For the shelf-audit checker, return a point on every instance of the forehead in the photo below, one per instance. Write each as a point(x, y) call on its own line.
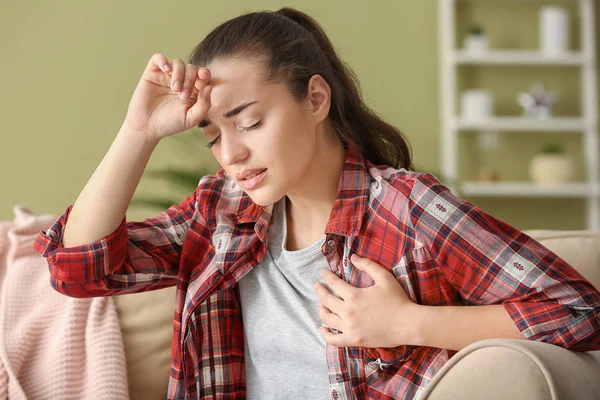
point(233, 81)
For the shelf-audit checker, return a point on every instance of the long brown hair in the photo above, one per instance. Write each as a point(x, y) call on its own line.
point(292, 46)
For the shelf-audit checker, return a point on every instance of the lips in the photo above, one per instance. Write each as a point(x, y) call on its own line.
point(251, 176)
point(253, 180)
point(248, 174)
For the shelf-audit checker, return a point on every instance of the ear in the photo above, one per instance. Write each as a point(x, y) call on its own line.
point(319, 97)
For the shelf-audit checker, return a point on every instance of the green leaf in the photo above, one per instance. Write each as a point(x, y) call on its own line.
point(185, 179)
point(552, 148)
point(476, 30)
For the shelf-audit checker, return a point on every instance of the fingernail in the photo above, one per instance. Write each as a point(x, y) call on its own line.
point(177, 85)
point(354, 257)
point(185, 94)
point(166, 67)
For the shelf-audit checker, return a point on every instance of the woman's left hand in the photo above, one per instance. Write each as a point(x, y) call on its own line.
point(376, 316)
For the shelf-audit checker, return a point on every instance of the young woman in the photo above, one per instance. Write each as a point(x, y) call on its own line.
point(315, 264)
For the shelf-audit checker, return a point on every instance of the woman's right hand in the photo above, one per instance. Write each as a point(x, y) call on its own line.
point(169, 98)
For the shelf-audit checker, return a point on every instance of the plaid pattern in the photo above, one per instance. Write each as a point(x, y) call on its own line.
point(442, 250)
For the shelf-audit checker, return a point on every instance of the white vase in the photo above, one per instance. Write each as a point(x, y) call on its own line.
point(554, 31)
point(551, 169)
point(477, 105)
point(476, 44)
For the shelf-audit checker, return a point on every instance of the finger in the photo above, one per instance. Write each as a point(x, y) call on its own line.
point(330, 319)
point(378, 273)
point(159, 62)
point(203, 79)
point(338, 285)
point(327, 299)
point(331, 338)
point(199, 110)
point(189, 80)
point(178, 74)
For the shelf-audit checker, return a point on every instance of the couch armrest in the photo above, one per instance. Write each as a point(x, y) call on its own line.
point(499, 369)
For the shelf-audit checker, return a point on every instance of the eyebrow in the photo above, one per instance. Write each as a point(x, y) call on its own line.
point(232, 113)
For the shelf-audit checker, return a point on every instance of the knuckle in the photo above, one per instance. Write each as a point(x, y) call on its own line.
point(189, 81)
point(359, 340)
point(352, 297)
point(177, 64)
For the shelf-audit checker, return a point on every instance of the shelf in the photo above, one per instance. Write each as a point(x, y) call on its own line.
point(528, 189)
point(522, 124)
point(456, 60)
point(516, 57)
point(516, 1)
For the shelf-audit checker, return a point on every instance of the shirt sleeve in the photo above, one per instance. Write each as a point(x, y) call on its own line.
point(136, 257)
point(488, 262)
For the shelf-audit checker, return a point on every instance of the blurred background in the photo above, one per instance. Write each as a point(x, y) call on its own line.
point(70, 67)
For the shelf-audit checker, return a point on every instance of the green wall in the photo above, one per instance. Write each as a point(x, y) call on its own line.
point(69, 69)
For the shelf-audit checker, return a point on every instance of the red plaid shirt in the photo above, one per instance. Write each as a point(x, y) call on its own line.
point(441, 249)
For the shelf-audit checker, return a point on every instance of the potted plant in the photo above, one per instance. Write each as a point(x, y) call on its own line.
point(551, 166)
point(182, 180)
point(476, 41)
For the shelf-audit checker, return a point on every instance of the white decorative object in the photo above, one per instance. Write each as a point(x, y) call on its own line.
point(452, 147)
point(554, 31)
point(552, 166)
point(488, 143)
point(537, 103)
point(476, 42)
point(550, 169)
point(477, 105)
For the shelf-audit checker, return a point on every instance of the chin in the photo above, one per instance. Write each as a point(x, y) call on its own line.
point(263, 197)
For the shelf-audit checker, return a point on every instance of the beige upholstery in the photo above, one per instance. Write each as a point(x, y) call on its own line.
point(147, 327)
point(490, 369)
point(499, 369)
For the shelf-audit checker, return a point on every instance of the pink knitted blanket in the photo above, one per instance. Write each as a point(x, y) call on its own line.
point(52, 346)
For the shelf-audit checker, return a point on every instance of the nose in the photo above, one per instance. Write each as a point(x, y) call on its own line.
point(233, 148)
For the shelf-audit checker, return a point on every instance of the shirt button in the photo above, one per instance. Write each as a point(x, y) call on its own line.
point(330, 243)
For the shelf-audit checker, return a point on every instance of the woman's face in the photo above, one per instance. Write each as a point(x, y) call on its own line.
point(274, 133)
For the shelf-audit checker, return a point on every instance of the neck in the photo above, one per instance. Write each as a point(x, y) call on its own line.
point(311, 202)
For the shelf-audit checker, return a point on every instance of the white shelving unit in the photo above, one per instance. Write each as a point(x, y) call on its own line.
point(586, 125)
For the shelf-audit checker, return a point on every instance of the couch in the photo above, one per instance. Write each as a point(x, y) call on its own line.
point(489, 369)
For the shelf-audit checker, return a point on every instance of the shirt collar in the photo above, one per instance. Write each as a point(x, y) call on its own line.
point(348, 209)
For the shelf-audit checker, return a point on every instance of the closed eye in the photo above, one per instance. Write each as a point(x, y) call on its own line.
point(256, 125)
point(211, 144)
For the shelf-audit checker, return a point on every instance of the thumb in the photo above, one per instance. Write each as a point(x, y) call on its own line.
point(357, 261)
point(373, 269)
point(201, 106)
